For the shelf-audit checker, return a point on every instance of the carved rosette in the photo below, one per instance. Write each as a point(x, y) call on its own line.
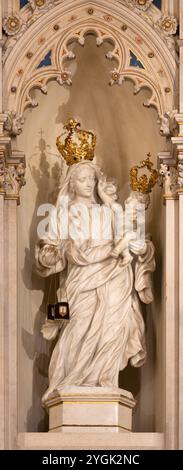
point(116, 78)
point(168, 24)
point(12, 24)
point(65, 78)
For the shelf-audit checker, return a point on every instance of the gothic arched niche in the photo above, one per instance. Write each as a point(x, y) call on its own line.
point(146, 58)
point(126, 131)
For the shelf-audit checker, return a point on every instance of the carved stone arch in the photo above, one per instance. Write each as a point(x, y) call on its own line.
point(130, 33)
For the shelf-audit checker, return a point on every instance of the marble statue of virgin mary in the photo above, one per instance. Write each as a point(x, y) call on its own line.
point(99, 281)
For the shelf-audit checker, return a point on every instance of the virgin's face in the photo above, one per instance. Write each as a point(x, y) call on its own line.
point(84, 182)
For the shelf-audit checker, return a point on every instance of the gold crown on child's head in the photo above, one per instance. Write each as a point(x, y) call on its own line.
point(143, 184)
point(78, 145)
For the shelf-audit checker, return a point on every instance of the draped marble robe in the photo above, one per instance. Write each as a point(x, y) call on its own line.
point(106, 327)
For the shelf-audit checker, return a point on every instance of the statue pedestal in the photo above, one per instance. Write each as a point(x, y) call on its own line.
point(90, 409)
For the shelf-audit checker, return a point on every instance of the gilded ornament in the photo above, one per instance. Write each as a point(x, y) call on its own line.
point(29, 55)
point(141, 4)
point(79, 144)
point(13, 89)
point(12, 24)
point(143, 184)
point(64, 76)
point(168, 24)
point(90, 11)
point(40, 3)
point(151, 55)
point(115, 76)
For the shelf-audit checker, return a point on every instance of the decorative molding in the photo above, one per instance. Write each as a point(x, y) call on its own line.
point(55, 30)
point(17, 23)
point(13, 24)
point(12, 166)
point(141, 5)
point(41, 6)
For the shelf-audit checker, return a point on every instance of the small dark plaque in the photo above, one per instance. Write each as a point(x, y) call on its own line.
point(62, 311)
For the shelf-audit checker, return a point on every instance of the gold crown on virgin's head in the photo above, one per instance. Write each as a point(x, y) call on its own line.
point(143, 184)
point(78, 144)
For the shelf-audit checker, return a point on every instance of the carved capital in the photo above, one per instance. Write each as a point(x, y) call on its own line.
point(12, 169)
point(5, 152)
point(168, 124)
point(168, 175)
point(169, 180)
point(13, 123)
point(14, 180)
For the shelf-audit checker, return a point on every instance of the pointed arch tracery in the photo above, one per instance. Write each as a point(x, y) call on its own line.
point(41, 54)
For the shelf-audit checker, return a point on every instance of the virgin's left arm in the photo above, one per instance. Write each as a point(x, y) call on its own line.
point(145, 266)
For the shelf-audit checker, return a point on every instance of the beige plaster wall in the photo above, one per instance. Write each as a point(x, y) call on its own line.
point(126, 131)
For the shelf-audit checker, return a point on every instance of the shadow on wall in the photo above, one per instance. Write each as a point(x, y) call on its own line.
point(37, 349)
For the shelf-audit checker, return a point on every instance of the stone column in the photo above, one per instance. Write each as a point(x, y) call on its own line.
point(1, 73)
point(14, 179)
point(2, 413)
point(180, 319)
point(178, 144)
point(178, 141)
point(10, 304)
point(12, 169)
point(1, 260)
point(168, 173)
point(171, 322)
